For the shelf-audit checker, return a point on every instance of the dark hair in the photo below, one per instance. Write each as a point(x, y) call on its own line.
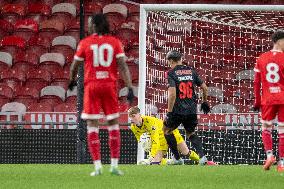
point(100, 23)
point(174, 55)
point(277, 35)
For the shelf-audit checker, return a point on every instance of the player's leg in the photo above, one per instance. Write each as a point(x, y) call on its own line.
point(91, 114)
point(94, 145)
point(280, 166)
point(171, 124)
point(190, 123)
point(268, 113)
point(157, 156)
point(110, 108)
point(183, 148)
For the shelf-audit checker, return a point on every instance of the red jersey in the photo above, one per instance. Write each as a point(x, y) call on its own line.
point(99, 54)
point(271, 67)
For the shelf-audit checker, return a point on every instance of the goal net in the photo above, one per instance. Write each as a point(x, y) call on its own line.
point(222, 42)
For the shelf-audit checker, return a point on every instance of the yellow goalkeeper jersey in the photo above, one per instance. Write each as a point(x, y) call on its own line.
point(152, 126)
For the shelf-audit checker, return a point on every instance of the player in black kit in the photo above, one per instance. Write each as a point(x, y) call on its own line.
point(182, 104)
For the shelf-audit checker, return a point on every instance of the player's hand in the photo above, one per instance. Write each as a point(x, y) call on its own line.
point(205, 107)
point(72, 84)
point(169, 115)
point(130, 95)
point(256, 107)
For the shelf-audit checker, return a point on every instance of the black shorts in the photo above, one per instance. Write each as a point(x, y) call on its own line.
point(189, 122)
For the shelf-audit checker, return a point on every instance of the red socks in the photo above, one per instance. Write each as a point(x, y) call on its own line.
point(281, 145)
point(114, 141)
point(267, 139)
point(94, 143)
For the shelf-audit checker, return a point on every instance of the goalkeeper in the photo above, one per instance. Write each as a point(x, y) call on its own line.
point(154, 127)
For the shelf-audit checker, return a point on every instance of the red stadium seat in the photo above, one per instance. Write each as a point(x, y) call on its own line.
point(40, 107)
point(116, 13)
point(38, 78)
point(71, 96)
point(38, 8)
point(26, 95)
point(6, 26)
point(6, 92)
point(3, 101)
point(6, 60)
point(91, 7)
point(25, 61)
point(55, 94)
point(26, 28)
point(13, 77)
point(51, 28)
point(61, 83)
point(66, 107)
point(10, 9)
point(133, 12)
point(64, 12)
point(39, 41)
point(15, 41)
point(65, 41)
point(51, 61)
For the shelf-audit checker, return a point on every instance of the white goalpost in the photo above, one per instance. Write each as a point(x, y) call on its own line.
point(220, 41)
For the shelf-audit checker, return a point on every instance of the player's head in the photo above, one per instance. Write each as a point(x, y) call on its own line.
point(173, 57)
point(134, 115)
point(278, 39)
point(100, 24)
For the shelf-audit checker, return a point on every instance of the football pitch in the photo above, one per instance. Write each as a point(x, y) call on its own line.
point(53, 176)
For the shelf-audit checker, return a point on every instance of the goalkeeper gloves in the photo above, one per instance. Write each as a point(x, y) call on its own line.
point(205, 107)
point(130, 95)
point(72, 84)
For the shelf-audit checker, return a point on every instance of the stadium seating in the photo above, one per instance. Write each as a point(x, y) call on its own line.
point(6, 60)
point(224, 108)
point(38, 78)
point(66, 107)
point(26, 28)
point(40, 107)
point(25, 61)
point(26, 95)
point(71, 96)
point(53, 94)
point(14, 107)
point(13, 77)
point(51, 61)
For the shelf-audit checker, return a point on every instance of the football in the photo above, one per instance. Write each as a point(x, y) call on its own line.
point(145, 141)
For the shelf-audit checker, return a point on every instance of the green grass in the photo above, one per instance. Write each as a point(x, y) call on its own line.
point(53, 176)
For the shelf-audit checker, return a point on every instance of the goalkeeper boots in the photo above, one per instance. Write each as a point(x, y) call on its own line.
point(194, 156)
point(269, 162)
point(116, 171)
point(97, 172)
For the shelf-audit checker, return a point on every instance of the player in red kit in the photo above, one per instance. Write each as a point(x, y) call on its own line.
point(102, 55)
point(269, 79)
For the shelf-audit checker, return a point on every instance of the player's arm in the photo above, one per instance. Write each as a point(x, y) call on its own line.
point(124, 71)
point(78, 59)
point(257, 88)
point(171, 98)
point(171, 93)
point(137, 135)
point(204, 106)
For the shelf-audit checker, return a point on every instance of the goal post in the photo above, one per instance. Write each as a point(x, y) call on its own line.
point(221, 41)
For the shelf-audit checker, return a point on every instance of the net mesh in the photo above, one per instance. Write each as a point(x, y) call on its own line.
point(221, 45)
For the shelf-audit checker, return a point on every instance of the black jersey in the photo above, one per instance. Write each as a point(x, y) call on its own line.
point(184, 79)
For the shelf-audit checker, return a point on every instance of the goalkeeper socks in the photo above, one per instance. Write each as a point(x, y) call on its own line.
point(197, 144)
point(94, 143)
point(267, 139)
point(172, 143)
point(114, 141)
point(281, 145)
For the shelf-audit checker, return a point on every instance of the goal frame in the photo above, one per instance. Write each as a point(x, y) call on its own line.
point(145, 8)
